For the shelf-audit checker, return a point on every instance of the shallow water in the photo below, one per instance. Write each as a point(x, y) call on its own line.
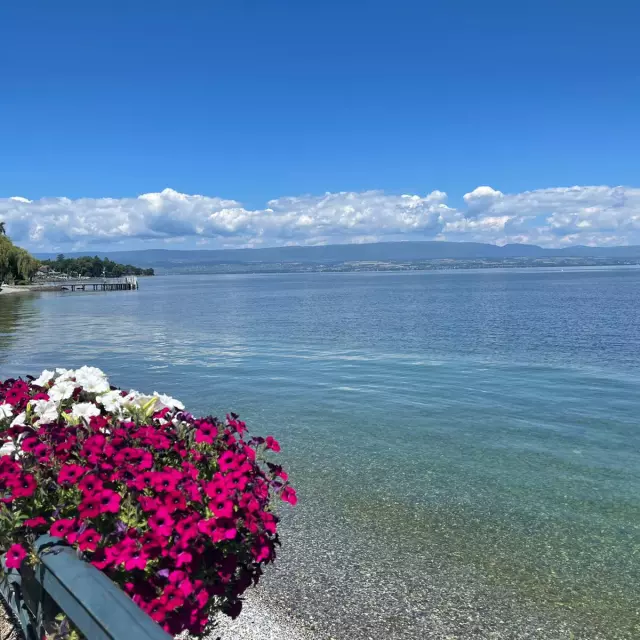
point(479, 425)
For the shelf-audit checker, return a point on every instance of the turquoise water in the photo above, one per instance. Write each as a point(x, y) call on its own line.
point(481, 426)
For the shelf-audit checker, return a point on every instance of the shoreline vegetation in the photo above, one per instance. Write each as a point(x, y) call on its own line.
point(20, 272)
point(91, 267)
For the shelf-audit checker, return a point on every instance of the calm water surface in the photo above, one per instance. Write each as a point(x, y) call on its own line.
point(488, 421)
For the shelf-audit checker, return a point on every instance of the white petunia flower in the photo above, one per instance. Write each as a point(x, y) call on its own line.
point(46, 410)
point(112, 401)
point(92, 380)
point(45, 378)
point(167, 401)
point(18, 421)
point(85, 410)
point(61, 390)
point(6, 411)
point(7, 449)
point(137, 399)
point(64, 374)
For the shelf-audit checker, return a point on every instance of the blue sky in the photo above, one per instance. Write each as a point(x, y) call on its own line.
point(256, 101)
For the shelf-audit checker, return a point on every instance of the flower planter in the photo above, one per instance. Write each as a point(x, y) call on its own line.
point(175, 511)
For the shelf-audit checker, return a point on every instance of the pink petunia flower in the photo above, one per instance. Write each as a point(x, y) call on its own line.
point(289, 495)
point(88, 540)
point(109, 501)
point(34, 523)
point(174, 501)
point(172, 597)
point(63, 527)
point(15, 555)
point(89, 507)
point(206, 433)
point(227, 461)
point(161, 522)
point(24, 486)
point(157, 610)
point(90, 485)
point(164, 481)
point(136, 559)
point(272, 443)
point(71, 473)
point(222, 508)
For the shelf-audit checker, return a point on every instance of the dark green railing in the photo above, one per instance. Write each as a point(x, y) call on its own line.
point(62, 582)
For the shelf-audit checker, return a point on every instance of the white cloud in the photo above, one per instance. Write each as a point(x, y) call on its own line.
point(551, 217)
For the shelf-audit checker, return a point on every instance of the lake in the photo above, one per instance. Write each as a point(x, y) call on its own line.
point(465, 444)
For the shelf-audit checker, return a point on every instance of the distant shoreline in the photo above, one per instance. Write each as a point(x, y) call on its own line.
point(386, 267)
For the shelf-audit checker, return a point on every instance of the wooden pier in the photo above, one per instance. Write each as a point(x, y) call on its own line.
point(128, 283)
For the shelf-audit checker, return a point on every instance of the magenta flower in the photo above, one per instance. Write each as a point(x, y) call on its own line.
point(157, 610)
point(143, 481)
point(172, 598)
point(88, 540)
point(24, 486)
point(148, 504)
point(15, 397)
point(95, 444)
point(224, 533)
point(71, 473)
point(90, 485)
point(207, 527)
point(34, 523)
point(161, 522)
point(89, 507)
point(164, 481)
point(272, 443)
point(62, 528)
point(109, 501)
point(218, 488)
point(289, 495)
point(174, 501)
point(227, 461)
point(28, 444)
point(41, 452)
point(238, 480)
point(15, 555)
point(136, 559)
point(222, 508)
point(98, 423)
point(186, 532)
point(206, 433)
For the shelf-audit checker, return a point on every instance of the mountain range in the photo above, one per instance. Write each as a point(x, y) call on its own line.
point(171, 259)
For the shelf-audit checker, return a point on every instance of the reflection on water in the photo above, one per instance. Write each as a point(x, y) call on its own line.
point(18, 313)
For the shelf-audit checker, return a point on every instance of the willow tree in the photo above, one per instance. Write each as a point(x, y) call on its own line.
point(16, 264)
point(6, 251)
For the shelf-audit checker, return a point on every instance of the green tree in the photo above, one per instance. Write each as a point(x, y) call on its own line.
point(16, 264)
point(86, 266)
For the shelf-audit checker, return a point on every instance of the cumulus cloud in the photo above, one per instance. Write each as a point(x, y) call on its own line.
point(595, 215)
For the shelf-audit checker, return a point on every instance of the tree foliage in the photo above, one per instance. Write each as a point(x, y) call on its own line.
point(16, 264)
point(94, 267)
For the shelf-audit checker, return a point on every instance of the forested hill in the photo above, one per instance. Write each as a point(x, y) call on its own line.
point(94, 267)
point(380, 251)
